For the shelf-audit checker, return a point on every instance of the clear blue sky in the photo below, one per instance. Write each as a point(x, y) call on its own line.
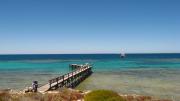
point(89, 26)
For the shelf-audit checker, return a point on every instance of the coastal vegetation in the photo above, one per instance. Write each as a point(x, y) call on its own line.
point(72, 95)
point(103, 95)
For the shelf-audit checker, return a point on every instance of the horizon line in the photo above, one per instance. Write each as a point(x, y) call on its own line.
point(88, 53)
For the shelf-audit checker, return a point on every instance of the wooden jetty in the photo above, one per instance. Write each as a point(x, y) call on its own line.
point(69, 80)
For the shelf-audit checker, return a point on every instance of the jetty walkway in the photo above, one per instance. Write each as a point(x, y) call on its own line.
point(69, 80)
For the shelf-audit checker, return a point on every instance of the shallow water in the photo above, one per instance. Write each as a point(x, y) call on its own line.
point(158, 82)
point(148, 74)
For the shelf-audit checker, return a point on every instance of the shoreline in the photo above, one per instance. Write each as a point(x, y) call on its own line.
point(67, 93)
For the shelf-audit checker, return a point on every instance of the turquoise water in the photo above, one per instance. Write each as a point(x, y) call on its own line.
point(148, 74)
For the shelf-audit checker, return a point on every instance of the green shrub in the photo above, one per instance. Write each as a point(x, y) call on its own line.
point(103, 95)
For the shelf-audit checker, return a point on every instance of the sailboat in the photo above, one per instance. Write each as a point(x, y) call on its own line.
point(122, 55)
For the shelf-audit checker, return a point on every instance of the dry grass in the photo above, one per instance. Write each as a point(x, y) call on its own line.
point(63, 95)
point(141, 98)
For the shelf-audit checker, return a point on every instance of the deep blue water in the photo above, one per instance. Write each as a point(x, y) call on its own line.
point(86, 56)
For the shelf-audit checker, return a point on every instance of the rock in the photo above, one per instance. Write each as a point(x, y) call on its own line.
point(28, 89)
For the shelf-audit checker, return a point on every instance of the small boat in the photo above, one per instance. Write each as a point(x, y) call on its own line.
point(122, 55)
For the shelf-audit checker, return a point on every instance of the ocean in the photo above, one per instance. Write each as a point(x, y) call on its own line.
point(146, 74)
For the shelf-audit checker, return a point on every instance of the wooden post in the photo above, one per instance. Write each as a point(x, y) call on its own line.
point(50, 84)
point(72, 79)
point(72, 73)
point(57, 79)
point(63, 80)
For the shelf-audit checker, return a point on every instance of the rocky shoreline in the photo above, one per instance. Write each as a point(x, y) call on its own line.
point(64, 94)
